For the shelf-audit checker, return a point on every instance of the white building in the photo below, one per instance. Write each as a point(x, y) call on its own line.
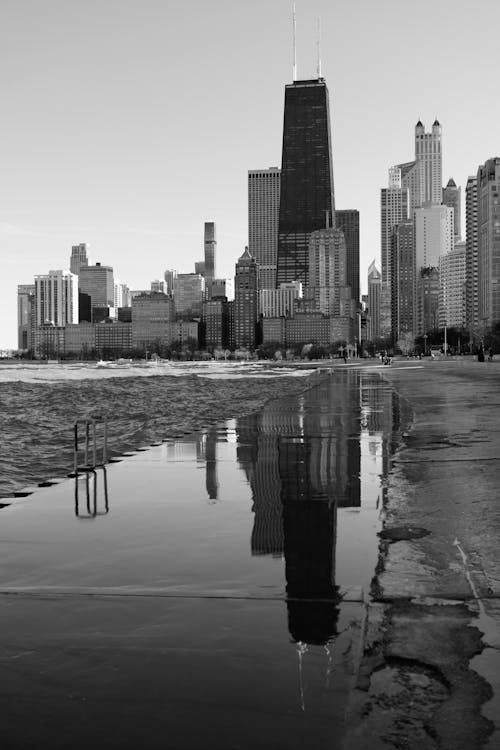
point(56, 298)
point(434, 234)
point(452, 287)
point(263, 216)
point(122, 296)
point(274, 303)
point(428, 154)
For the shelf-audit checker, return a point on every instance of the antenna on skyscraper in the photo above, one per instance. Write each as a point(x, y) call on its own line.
point(294, 69)
point(318, 44)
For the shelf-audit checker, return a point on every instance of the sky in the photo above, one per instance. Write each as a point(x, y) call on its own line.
point(127, 124)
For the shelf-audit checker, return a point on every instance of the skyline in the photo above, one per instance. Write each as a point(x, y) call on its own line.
point(130, 136)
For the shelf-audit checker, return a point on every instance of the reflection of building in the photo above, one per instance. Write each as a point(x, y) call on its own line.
point(206, 451)
point(302, 464)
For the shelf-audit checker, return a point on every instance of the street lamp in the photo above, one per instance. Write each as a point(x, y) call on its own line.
point(425, 344)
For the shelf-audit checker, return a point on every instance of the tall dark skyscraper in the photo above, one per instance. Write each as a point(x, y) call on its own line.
point(306, 194)
point(210, 243)
point(348, 221)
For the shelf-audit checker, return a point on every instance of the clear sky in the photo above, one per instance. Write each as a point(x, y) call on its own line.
point(127, 124)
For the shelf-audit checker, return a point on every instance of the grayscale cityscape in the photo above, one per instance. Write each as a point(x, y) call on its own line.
point(252, 502)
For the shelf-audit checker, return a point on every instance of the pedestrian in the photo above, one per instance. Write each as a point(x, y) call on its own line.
point(490, 357)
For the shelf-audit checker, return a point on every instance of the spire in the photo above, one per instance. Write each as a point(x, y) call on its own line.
point(294, 69)
point(451, 183)
point(318, 45)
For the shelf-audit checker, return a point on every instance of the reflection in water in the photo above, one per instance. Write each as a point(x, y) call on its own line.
point(303, 460)
point(91, 495)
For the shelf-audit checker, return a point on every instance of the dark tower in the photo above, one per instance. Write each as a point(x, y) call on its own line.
point(306, 192)
point(348, 222)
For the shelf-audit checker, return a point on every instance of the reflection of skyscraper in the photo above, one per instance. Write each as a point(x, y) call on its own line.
point(307, 195)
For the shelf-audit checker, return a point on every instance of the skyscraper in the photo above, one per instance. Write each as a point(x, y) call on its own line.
point(56, 298)
point(429, 157)
point(210, 243)
point(403, 280)
point(471, 259)
point(25, 315)
point(245, 300)
point(78, 258)
point(263, 216)
point(393, 210)
point(452, 198)
point(97, 282)
point(488, 224)
point(348, 221)
point(452, 287)
point(434, 234)
point(374, 285)
point(306, 193)
point(328, 271)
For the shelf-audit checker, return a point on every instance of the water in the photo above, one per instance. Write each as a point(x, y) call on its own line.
point(39, 404)
point(217, 596)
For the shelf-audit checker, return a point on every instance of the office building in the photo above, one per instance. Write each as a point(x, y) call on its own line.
point(122, 297)
point(170, 276)
point(210, 246)
point(56, 298)
point(25, 315)
point(113, 338)
point(189, 290)
point(452, 287)
point(79, 340)
point(374, 294)
point(327, 270)
point(152, 314)
point(471, 256)
point(222, 288)
point(434, 234)
point(97, 282)
point(403, 281)
point(407, 176)
point(274, 303)
point(488, 234)
point(452, 197)
point(215, 317)
point(427, 301)
point(245, 301)
point(306, 191)
point(158, 285)
point(263, 218)
point(429, 157)
point(348, 222)
point(78, 258)
point(394, 204)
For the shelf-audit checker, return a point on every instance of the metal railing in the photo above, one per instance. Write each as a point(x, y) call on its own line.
point(90, 444)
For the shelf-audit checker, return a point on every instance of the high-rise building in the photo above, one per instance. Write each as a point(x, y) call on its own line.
point(471, 257)
point(210, 244)
point(427, 301)
point(25, 315)
point(409, 179)
point(215, 318)
point(452, 287)
point(189, 289)
point(274, 303)
point(327, 271)
point(374, 287)
point(78, 258)
point(429, 157)
point(222, 288)
point(170, 276)
point(152, 314)
point(452, 197)
point(158, 285)
point(122, 297)
point(394, 202)
point(245, 301)
point(56, 298)
point(434, 234)
point(263, 217)
point(306, 192)
point(488, 214)
point(97, 282)
point(403, 280)
point(348, 222)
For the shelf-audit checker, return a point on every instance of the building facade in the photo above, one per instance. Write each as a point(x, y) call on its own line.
point(348, 222)
point(403, 281)
point(79, 257)
point(471, 256)
point(263, 218)
point(56, 298)
point(488, 235)
point(152, 315)
point(210, 248)
point(394, 204)
point(427, 301)
point(189, 290)
point(452, 197)
point(306, 192)
point(428, 154)
point(452, 287)
point(434, 234)
point(245, 301)
point(97, 281)
point(25, 315)
point(215, 318)
point(327, 270)
point(374, 295)
point(274, 303)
